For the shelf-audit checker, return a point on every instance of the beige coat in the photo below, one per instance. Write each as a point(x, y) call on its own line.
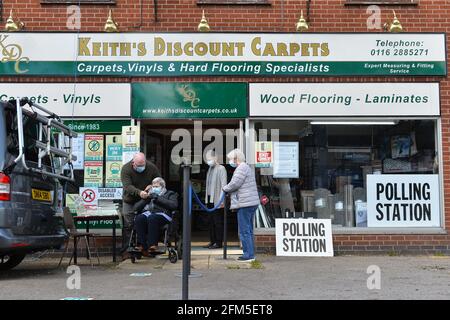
point(216, 179)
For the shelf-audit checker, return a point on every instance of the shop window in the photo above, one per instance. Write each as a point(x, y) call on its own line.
point(382, 2)
point(330, 166)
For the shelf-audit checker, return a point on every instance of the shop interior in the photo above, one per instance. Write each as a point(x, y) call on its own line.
point(334, 161)
point(158, 146)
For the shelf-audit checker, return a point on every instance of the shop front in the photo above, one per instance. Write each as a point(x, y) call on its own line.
point(365, 155)
point(99, 151)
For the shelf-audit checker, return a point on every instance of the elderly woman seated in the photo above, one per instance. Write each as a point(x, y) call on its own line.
point(155, 213)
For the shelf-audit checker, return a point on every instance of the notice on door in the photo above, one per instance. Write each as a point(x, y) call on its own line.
point(304, 237)
point(403, 200)
point(130, 142)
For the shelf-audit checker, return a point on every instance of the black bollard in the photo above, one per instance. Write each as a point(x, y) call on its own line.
point(186, 232)
point(225, 227)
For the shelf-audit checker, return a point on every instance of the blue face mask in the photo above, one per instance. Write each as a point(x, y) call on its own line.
point(156, 190)
point(140, 169)
point(232, 164)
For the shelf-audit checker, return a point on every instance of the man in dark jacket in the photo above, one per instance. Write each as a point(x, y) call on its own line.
point(137, 176)
point(155, 212)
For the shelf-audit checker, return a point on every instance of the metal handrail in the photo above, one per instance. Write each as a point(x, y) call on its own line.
point(49, 122)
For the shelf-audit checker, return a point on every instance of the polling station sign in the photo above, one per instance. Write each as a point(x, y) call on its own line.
point(403, 200)
point(304, 237)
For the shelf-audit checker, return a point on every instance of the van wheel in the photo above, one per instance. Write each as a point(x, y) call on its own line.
point(10, 261)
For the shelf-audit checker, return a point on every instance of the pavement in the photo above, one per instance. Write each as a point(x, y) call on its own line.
point(269, 278)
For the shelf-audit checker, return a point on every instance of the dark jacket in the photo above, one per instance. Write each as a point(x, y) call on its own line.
point(134, 182)
point(166, 203)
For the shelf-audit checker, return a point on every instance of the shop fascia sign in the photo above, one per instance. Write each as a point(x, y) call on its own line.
point(74, 99)
point(229, 54)
point(190, 100)
point(344, 99)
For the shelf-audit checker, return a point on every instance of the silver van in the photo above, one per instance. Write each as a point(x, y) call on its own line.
point(31, 178)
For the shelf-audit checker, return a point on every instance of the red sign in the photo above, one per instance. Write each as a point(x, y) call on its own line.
point(264, 156)
point(88, 195)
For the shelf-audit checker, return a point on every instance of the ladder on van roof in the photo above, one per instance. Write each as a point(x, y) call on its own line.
point(49, 122)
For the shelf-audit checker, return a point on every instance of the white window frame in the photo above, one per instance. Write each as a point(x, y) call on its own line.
point(250, 123)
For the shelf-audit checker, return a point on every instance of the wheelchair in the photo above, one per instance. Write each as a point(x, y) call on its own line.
point(169, 233)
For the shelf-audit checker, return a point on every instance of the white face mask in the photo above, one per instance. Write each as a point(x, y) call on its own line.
point(210, 163)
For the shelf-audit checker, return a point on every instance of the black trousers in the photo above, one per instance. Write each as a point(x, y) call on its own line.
point(148, 229)
point(215, 223)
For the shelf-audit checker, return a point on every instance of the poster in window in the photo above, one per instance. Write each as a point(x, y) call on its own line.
point(130, 142)
point(285, 160)
point(93, 147)
point(263, 154)
point(361, 213)
point(77, 151)
point(401, 146)
point(93, 174)
point(112, 178)
point(113, 148)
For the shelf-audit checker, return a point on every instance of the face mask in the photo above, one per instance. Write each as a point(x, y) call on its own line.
point(232, 163)
point(156, 190)
point(140, 169)
point(210, 163)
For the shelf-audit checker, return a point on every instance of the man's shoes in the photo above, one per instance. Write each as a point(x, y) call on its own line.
point(143, 251)
point(208, 245)
point(244, 259)
point(215, 246)
point(125, 255)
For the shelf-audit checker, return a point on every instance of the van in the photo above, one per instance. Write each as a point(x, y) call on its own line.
point(32, 176)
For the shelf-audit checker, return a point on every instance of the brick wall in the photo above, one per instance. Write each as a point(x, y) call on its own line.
point(280, 16)
point(375, 244)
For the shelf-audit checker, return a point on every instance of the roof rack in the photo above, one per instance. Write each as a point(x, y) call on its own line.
point(48, 122)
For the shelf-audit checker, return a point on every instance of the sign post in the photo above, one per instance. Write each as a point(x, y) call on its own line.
point(225, 227)
point(186, 231)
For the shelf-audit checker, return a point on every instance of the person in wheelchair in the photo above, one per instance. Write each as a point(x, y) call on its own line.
point(154, 213)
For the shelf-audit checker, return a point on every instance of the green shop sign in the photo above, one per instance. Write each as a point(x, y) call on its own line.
point(228, 54)
point(96, 126)
point(188, 100)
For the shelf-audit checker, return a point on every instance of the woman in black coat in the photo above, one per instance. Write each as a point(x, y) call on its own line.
point(155, 212)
